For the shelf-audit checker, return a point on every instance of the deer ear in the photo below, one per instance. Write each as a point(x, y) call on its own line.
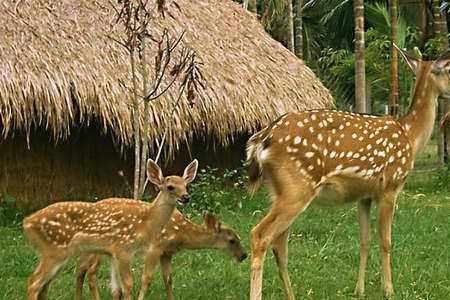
point(190, 171)
point(413, 63)
point(443, 61)
point(154, 173)
point(211, 221)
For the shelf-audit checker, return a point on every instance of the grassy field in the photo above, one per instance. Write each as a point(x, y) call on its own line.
point(323, 250)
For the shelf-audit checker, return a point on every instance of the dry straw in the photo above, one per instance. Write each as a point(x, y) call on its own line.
point(60, 70)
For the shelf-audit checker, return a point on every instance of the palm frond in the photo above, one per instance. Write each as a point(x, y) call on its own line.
point(378, 17)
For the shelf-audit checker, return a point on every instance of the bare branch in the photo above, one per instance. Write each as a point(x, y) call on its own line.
point(118, 42)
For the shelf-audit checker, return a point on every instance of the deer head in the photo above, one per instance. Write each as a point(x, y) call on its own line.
point(227, 239)
point(174, 186)
point(440, 69)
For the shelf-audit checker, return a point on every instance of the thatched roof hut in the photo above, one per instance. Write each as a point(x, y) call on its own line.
point(60, 71)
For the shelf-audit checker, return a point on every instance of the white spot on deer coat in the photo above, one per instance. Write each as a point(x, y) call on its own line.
point(309, 154)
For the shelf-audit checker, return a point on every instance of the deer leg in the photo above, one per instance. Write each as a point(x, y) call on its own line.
point(47, 269)
point(364, 241)
point(278, 220)
point(87, 264)
point(43, 295)
point(92, 276)
point(122, 266)
point(280, 250)
point(166, 272)
point(386, 209)
point(151, 260)
point(115, 285)
point(80, 274)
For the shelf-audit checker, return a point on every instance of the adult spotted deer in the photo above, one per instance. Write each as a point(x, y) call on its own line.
point(340, 157)
point(179, 234)
point(122, 230)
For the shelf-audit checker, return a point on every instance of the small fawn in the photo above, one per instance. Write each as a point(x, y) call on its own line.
point(122, 230)
point(179, 234)
point(340, 157)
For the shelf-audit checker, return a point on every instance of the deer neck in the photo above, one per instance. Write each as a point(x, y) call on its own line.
point(419, 120)
point(199, 237)
point(158, 214)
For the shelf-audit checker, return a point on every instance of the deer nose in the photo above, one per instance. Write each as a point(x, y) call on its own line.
point(243, 256)
point(185, 199)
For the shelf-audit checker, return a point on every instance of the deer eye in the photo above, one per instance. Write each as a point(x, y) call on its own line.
point(170, 187)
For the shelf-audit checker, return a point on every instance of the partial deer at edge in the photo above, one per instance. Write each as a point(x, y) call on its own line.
point(68, 228)
point(340, 157)
point(179, 234)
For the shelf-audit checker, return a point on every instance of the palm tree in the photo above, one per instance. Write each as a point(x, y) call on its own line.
point(298, 28)
point(360, 64)
point(290, 27)
point(393, 96)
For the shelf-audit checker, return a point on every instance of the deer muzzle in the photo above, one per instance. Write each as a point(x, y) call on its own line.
point(243, 257)
point(184, 200)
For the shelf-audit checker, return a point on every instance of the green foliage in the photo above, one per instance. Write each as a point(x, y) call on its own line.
point(336, 68)
point(443, 178)
point(215, 191)
point(271, 9)
point(378, 18)
point(9, 214)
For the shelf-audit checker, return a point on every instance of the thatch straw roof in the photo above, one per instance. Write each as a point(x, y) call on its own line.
point(60, 70)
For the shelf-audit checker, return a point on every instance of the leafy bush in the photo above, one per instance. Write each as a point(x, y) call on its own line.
point(443, 178)
point(9, 214)
point(336, 67)
point(215, 190)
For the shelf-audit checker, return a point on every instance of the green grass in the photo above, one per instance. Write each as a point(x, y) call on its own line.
point(323, 246)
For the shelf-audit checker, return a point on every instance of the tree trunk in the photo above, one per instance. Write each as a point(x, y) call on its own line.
point(423, 23)
point(360, 64)
point(440, 32)
point(445, 102)
point(299, 28)
point(290, 29)
point(146, 91)
point(136, 127)
point(393, 96)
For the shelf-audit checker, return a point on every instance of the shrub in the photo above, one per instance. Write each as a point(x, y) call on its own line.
point(9, 214)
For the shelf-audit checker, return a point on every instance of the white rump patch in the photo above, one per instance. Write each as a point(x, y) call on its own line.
point(262, 154)
point(250, 150)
